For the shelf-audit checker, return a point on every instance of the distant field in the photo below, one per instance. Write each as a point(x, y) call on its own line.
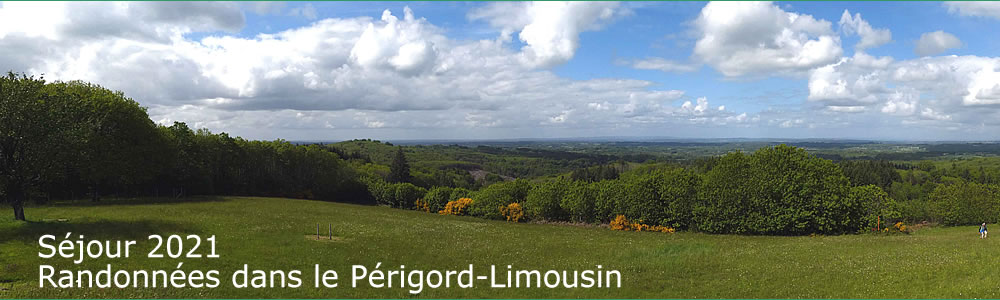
point(270, 234)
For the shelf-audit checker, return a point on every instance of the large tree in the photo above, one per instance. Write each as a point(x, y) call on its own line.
point(399, 171)
point(35, 129)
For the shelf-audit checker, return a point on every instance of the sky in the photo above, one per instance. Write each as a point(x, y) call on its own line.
point(480, 70)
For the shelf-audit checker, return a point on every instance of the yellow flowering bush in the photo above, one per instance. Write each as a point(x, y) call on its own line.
point(422, 205)
point(623, 224)
point(900, 227)
point(619, 223)
point(513, 212)
point(456, 207)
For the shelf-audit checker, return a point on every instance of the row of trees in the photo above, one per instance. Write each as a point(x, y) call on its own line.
point(775, 190)
point(64, 140)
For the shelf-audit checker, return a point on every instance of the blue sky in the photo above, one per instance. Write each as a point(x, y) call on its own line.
point(479, 70)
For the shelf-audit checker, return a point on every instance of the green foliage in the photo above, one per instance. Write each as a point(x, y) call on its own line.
point(775, 190)
point(407, 193)
point(487, 201)
point(399, 195)
point(38, 135)
point(966, 203)
point(85, 139)
point(607, 199)
point(578, 201)
point(399, 171)
point(451, 177)
point(865, 172)
point(458, 193)
point(598, 173)
point(876, 208)
point(383, 192)
point(118, 143)
point(437, 197)
point(542, 201)
point(678, 192)
point(655, 196)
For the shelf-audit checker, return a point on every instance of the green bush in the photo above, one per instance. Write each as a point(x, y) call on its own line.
point(406, 194)
point(607, 198)
point(542, 201)
point(437, 197)
point(383, 192)
point(459, 193)
point(678, 191)
point(400, 195)
point(966, 203)
point(578, 201)
point(875, 208)
point(640, 200)
point(487, 202)
point(775, 190)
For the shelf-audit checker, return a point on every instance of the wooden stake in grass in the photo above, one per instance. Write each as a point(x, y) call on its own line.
point(317, 231)
point(331, 231)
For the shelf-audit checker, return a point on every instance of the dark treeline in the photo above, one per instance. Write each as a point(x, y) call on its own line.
point(71, 140)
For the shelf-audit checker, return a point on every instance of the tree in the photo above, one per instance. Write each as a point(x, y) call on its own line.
point(775, 190)
point(399, 171)
point(874, 207)
point(118, 141)
point(35, 128)
point(966, 203)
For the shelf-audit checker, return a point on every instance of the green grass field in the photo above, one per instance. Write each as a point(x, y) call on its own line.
point(271, 234)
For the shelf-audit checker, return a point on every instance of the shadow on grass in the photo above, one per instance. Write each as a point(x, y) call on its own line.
point(138, 201)
point(31, 231)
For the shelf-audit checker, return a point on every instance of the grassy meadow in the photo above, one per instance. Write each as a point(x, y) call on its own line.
point(271, 234)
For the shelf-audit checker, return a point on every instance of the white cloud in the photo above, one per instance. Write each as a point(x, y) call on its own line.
point(160, 21)
point(929, 90)
point(390, 73)
point(748, 38)
point(846, 109)
point(850, 82)
point(550, 30)
point(900, 104)
point(792, 123)
point(870, 37)
point(400, 72)
point(931, 114)
point(405, 45)
point(665, 65)
point(696, 109)
point(963, 80)
point(975, 8)
point(934, 43)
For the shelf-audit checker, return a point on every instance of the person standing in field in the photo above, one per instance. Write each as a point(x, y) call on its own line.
point(982, 231)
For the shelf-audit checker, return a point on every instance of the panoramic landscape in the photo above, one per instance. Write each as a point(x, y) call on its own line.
point(499, 150)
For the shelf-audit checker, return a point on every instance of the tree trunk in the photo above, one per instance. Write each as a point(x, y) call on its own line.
point(18, 210)
point(16, 198)
point(96, 196)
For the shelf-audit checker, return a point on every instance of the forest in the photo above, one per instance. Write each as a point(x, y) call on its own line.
point(76, 141)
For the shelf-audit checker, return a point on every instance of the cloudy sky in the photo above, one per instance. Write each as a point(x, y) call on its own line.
point(452, 70)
